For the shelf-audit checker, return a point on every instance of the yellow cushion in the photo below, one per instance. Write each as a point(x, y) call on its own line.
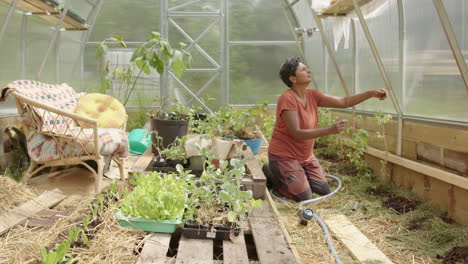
point(108, 111)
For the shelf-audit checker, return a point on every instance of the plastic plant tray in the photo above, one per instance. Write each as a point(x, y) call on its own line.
point(163, 226)
point(205, 232)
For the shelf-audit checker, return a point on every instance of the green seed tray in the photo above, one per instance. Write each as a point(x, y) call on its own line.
point(163, 226)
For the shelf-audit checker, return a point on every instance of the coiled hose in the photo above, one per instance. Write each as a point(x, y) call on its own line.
point(324, 227)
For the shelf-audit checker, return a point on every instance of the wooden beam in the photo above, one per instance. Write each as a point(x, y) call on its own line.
point(350, 236)
point(439, 174)
point(257, 174)
point(23, 5)
point(155, 249)
point(341, 7)
point(143, 162)
point(42, 6)
point(282, 225)
point(19, 214)
point(195, 251)
point(235, 252)
point(270, 241)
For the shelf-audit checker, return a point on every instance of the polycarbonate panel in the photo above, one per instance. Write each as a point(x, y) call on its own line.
point(133, 20)
point(344, 57)
point(209, 42)
point(382, 21)
point(254, 76)
point(39, 36)
point(146, 89)
point(198, 83)
point(434, 86)
point(82, 8)
point(10, 54)
point(69, 58)
point(458, 15)
point(258, 20)
point(194, 6)
point(311, 44)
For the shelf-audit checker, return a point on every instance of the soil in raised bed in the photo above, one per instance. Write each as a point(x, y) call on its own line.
point(417, 223)
point(455, 255)
point(400, 204)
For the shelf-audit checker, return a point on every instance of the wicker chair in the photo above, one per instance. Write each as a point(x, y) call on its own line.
point(69, 143)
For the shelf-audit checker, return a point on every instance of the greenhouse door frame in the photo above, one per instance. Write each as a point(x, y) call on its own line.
point(219, 68)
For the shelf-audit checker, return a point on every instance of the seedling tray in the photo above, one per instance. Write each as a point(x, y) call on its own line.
point(165, 167)
point(207, 232)
point(164, 226)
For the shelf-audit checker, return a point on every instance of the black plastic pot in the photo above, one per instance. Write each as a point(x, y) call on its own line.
point(208, 232)
point(169, 130)
point(170, 166)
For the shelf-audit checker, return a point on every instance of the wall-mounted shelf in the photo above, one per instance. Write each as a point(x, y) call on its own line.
point(341, 7)
point(50, 11)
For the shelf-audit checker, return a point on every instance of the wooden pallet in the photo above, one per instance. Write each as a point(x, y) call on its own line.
point(264, 240)
point(254, 180)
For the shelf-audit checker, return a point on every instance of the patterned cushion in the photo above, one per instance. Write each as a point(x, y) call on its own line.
point(108, 111)
point(45, 148)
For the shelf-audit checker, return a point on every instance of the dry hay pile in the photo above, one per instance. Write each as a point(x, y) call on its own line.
point(13, 194)
point(110, 243)
point(310, 240)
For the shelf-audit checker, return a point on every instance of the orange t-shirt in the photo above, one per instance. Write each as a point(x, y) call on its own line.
point(282, 143)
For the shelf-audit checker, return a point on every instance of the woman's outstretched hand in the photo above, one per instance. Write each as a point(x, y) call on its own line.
point(381, 94)
point(339, 126)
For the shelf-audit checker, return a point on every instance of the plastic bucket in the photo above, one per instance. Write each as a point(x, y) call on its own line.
point(254, 144)
point(139, 140)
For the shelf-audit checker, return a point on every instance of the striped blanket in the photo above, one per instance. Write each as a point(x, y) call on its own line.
point(60, 96)
point(42, 147)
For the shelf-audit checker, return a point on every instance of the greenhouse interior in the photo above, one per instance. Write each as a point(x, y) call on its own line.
point(234, 131)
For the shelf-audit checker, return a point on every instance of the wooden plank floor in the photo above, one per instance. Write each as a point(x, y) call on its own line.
point(360, 246)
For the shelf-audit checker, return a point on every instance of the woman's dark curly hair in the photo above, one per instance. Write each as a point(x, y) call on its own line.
point(288, 68)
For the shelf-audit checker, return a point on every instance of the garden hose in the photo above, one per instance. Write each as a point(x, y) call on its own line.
point(306, 214)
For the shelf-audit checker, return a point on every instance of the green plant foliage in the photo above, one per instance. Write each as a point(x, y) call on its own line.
point(337, 147)
point(243, 123)
point(155, 54)
point(381, 120)
point(59, 253)
point(218, 198)
point(172, 110)
point(157, 196)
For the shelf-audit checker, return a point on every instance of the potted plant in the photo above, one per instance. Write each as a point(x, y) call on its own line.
point(170, 122)
point(157, 202)
point(156, 54)
point(217, 204)
point(169, 157)
point(229, 121)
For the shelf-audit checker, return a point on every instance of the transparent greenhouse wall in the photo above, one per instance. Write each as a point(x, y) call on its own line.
point(69, 70)
point(314, 54)
point(421, 68)
point(206, 85)
point(383, 25)
point(254, 68)
point(434, 86)
point(10, 54)
point(133, 22)
point(345, 60)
